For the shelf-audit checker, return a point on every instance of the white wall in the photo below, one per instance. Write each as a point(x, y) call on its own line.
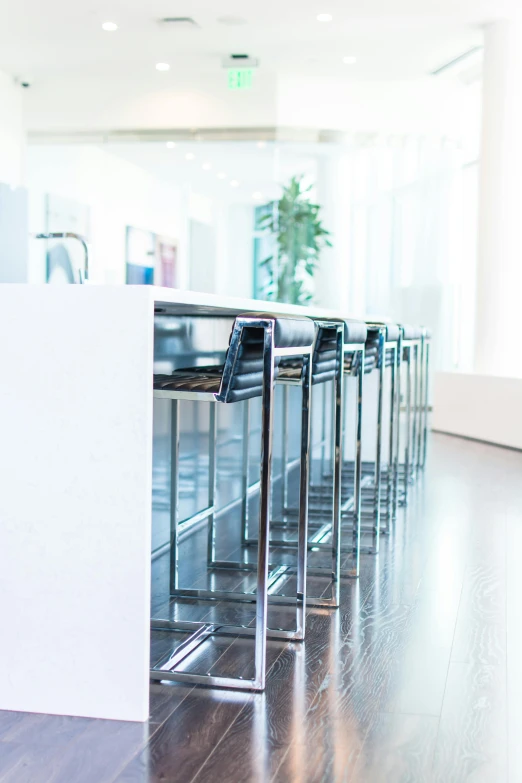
point(12, 132)
point(479, 406)
point(499, 269)
point(425, 106)
point(118, 193)
point(77, 102)
point(13, 200)
point(235, 260)
point(336, 267)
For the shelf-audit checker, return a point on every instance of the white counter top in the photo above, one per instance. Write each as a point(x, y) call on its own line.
point(196, 303)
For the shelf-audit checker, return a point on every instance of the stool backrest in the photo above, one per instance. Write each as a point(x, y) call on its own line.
point(253, 349)
point(375, 345)
point(328, 351)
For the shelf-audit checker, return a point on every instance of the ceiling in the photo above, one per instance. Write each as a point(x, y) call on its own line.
point(39, 39)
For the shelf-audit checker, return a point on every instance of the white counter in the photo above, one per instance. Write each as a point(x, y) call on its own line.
point(75, 495)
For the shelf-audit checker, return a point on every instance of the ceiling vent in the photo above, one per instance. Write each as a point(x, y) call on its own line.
point(179, 21)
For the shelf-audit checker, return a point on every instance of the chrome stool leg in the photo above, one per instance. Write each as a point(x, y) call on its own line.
point(357, 511)
point(264, 508)
point(285, 447)
point(245, 472)
point(212, 433)
point(174, 496)
point(420, 406)
point(323, 434)
point(378, 449)
point(425, 402)
point(302, 552)
point(407, 453)
point(337, 477)
point(391, 442)
point(413, 456)
point(398, 401)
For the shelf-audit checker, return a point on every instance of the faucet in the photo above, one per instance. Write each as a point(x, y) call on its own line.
point(84, 274)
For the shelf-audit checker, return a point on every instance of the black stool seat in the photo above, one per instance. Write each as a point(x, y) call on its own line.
point(392, 331)
point(351, 361)
point(411, 332)
point(192, 379)
point(241, 377)
point(290, 370)
point(371, 356)
point(355, 332)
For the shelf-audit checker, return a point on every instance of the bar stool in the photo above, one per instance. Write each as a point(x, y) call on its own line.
point(411, 338)
point(382, 352)
point(424, 396)
point(338, 350)
point(258, 342)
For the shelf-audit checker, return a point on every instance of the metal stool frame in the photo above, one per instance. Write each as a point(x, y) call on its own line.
point(410, 355)
point(332, 527)
point(424, 398)
point(386, 348)
point(165, 669)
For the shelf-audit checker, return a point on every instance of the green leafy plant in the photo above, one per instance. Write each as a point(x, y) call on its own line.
point(300, 237)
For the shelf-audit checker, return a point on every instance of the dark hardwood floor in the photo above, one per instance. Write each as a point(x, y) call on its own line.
point(417, 678)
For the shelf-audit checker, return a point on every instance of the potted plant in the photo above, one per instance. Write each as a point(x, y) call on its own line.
point(299, 235)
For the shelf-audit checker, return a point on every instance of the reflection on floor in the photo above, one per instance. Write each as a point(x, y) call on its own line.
point(416, 678)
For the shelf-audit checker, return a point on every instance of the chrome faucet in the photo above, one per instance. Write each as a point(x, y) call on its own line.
point(84, 274)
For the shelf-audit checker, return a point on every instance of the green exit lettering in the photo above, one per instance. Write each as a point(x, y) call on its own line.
point(240, 78)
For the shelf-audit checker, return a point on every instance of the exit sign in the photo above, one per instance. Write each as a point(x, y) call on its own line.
point(240, 78)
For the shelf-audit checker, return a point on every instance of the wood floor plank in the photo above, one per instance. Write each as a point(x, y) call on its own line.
point(183, 742)
point(472, 738)
point(278, 717)
point(100, 752)
point(29, 762)
point(398, 749)
point(480, 633)
point(514, 640)
point(19, 727)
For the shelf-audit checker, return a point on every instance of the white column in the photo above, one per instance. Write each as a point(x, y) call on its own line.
point(12, 132)
point(499, 269)
point(332, 277)
point(13, 197)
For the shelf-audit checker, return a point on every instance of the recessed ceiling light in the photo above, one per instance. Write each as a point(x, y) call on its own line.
point(324, 17)
point(206, 166)
point(109, 27)
point(170, 145)
point(189, 156)
point(162, 67)
point(234, 183)
point(350, 60)
point(221, 175)
point(261, 144)
point(257, 195)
